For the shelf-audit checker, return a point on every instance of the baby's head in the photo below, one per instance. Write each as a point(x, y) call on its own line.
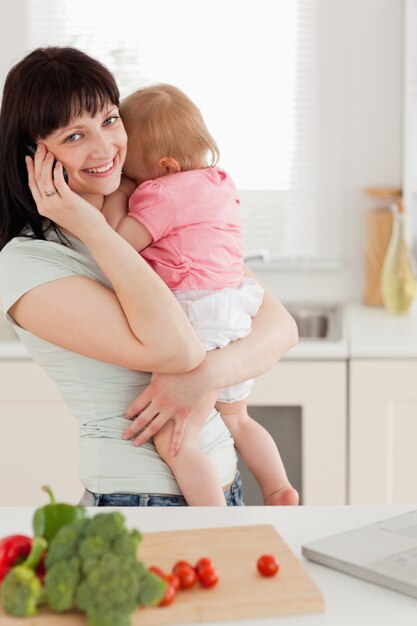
point(167, 134)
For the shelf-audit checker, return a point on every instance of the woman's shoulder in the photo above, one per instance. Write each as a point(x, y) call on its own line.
point(53, 244)
point(25, 254)
point(22, 245)
point(26, 259)
point(26, 263)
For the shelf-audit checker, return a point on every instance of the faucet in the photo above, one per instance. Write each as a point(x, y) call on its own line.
point(260, 254)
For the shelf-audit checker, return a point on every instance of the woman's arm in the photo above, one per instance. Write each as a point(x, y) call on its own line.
point(81, 315)
point(273, 333)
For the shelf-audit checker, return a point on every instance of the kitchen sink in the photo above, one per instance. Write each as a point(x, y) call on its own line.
point(318, 322)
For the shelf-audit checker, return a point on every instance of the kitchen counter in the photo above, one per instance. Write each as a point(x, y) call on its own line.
point(373, 334)
point(348, 600)
point(367, 332)
point(319, 349)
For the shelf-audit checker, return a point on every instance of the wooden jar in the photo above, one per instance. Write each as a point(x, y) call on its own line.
point(378, 227)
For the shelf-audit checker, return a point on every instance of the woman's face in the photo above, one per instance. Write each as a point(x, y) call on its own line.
point(92, 150)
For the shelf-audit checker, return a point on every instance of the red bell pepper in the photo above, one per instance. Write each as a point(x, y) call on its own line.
point(13, 550)
point(40, 569)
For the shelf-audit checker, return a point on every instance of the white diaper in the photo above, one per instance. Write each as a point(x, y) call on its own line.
point(221, 316)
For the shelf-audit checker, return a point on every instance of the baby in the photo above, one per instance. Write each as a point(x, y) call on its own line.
point(182, 215)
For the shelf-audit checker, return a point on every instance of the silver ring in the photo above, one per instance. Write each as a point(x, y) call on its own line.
point(51, 193)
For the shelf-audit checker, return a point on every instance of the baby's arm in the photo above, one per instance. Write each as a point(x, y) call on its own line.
point(115, 204)
point(134, 233)
point(115, 211)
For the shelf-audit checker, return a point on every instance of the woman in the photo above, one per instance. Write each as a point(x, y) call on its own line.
point(88, 308)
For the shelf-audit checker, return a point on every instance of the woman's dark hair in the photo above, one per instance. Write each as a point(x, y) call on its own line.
point(42, 93)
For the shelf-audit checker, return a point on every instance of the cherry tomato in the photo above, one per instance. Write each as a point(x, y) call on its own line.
point(186, 573)
point(173, 579)
point(180, 564)
point(207, 576)
point(267, 565)
point(157, 570)
point(203, 562)
point(169, 596)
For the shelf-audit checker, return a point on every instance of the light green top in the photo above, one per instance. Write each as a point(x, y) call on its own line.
point(97, 393)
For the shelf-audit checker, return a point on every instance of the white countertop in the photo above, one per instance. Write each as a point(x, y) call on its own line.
point(349, 601)
point(312, 350)
point(368, 333)
point(373, 334)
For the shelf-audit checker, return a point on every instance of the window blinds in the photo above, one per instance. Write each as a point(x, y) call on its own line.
point(267, 76)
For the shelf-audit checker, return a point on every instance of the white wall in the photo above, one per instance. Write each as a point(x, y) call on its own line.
point(373, 130)
point(13, 35)
point(373, 141)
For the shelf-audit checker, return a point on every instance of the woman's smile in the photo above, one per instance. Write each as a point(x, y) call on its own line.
point(103, 170)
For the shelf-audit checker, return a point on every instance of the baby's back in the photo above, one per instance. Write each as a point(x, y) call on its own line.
point(193, 218)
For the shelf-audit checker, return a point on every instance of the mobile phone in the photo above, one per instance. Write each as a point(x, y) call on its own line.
point(31, 149)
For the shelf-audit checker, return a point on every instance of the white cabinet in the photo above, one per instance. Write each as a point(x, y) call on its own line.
point(319, 389)
point(38, 438)
point(383, 432)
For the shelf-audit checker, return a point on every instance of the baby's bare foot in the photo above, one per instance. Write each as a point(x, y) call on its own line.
point(286, 496)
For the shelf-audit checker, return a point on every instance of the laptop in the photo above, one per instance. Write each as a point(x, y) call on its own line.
point(384, 553)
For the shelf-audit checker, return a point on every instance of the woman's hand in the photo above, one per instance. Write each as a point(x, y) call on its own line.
point(54, 198)
point(176, 397)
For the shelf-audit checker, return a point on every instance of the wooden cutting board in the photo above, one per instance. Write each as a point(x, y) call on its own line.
point(240, 593)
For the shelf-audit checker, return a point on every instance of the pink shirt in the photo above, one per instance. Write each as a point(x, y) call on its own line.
point(193, 218)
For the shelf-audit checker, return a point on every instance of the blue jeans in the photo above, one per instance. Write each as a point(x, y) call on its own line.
point(233, 495)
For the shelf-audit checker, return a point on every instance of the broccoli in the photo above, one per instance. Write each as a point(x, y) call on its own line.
point(151, 587)
point(109, 588)
point(107, 525)
point(63, 579)
point(92, 565)
point(126, 545)
point(21, 589)
point(65, 543)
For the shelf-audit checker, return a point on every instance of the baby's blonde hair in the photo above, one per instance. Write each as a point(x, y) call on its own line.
point(169, 124)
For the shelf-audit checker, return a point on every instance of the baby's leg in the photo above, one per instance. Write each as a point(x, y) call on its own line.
point(194, 472)
point(260, 454)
